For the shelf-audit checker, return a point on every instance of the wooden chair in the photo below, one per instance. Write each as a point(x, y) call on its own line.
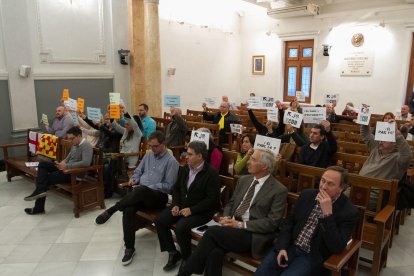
point(379, 224)
point(348, 259)
point(352, 148)
point(352, 162)
point(195, 113)
point(87, 192)
point(161, 123)
point(228, 162)
point(350, 128)
point(192, 118)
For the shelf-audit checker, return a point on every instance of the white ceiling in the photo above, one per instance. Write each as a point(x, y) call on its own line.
point(365, 10)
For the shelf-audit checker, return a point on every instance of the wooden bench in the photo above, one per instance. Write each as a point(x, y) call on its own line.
point(352, 162)
point(16, 165)
point(352, 148)
point(378, 227)
point(86, 193)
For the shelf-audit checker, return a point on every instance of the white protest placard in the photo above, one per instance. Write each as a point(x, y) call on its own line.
point(211, 102)
point(236, 128)
point(331, 98)
point(94, 113)
point(293, 118)
point(45, 119)
point(74, 117)
point(300, 96)
point(264, 142)
point(272, 114)
point(385, 131)
point(267, 102)
point(313, 115)
point(200, 136)
point(364, 115)
point(71, 104)
point(254, 102)
point(114, 98)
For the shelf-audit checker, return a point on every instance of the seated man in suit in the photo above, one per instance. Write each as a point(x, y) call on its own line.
point(249, 221)
point(320, 225)
point(321, 147)
point(49, 173)
point(153, 180)
point(223, 118)
point(195, 199)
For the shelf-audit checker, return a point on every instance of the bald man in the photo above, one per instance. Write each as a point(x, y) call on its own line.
point(223, 118)
point(60, 124)
point(175, 131)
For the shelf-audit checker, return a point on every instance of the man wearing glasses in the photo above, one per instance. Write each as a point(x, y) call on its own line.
point(50, 173)
point(153, 180)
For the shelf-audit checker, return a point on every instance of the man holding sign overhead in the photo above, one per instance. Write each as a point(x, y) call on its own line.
point(223, 118)
point(389, 153)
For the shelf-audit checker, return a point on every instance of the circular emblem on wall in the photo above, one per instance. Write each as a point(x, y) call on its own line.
point(357, 39)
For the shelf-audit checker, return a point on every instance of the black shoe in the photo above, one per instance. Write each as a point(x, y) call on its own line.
point(102, 218)
point(173, 258)
point(33, 211)
point(35, 195)
point(129, 254)
point(181, 269)
point(183, 273)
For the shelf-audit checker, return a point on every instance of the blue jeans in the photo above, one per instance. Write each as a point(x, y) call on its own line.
point(299, 264)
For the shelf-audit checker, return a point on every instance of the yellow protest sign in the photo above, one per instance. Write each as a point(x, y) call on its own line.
point(114, 111)
point(81, 105)
point(65, 94)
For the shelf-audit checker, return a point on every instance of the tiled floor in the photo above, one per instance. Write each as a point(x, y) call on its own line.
point(59, 244)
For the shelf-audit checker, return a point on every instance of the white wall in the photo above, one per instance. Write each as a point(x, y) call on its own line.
point(60, 40)
point(207, 63)
point(202, 40)
point(384, 90)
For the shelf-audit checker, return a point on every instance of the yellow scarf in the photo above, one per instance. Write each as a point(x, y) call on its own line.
point(221, 122)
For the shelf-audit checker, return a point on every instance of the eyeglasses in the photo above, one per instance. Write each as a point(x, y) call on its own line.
point(153, 146)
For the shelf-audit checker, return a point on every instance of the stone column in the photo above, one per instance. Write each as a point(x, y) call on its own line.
point(145, 55)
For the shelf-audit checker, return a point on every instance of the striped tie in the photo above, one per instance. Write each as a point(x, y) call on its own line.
point(246, 202)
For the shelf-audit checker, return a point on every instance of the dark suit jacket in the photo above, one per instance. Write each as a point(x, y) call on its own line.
point(332, 233)
point(203, 196)
point(230, 118)
point(266, 211)
point(175, 131)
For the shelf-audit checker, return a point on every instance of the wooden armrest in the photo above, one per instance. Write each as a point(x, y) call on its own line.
point(385, 214)
point(13, 145)
point(337, 261)
point(82, 169)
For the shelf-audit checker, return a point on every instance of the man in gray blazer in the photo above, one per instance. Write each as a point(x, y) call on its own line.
point(249, 221)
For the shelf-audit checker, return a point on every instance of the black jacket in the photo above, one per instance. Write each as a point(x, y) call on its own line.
point(322, 156)
point(203, 196)
point(262, 129)
point(175, 132)
point(230, 118)
point(330, 236)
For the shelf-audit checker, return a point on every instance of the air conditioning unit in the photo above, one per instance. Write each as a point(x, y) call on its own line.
point(294, 11)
